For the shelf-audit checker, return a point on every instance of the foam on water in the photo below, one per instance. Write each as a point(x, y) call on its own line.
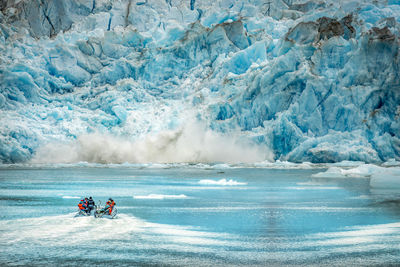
point(220, 182)
point(69, 230)
point(160, 196)
point(358, 236)
point(65, 230)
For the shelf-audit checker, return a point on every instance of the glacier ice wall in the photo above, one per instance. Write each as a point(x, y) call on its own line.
point(210, 81)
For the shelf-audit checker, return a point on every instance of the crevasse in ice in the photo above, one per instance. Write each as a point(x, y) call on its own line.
point(209, 81)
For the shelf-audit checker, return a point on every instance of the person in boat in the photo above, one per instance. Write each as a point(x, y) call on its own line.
point(90, 204)
point(109, 206)
point(82, 206)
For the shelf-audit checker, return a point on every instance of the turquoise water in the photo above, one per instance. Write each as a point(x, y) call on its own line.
point(193, 216)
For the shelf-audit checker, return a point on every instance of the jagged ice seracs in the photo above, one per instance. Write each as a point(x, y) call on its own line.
point(199, 81)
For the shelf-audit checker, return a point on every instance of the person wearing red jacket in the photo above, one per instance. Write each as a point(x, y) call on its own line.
point(109, 206)
point(82, 206)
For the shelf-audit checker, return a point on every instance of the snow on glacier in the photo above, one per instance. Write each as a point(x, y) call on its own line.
point(211, 81)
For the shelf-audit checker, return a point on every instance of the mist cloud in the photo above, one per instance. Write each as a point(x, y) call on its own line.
point(192, 143)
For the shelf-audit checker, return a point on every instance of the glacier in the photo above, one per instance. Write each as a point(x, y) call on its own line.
point(199, 81)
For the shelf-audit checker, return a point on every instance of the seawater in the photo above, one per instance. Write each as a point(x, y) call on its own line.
point(196, 217)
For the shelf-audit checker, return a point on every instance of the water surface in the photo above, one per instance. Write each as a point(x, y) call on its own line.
point(191, 216)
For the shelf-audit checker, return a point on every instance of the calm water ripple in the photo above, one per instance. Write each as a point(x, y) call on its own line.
point(187, 217)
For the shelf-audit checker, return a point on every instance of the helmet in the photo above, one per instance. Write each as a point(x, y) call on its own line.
point(110, 199)
point(90, 198)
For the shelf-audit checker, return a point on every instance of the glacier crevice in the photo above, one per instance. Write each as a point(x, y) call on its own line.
point(301, 81)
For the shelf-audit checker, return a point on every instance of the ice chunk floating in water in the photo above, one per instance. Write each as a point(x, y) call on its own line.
point(120, 81)
point(221, 182)
point(380, 177)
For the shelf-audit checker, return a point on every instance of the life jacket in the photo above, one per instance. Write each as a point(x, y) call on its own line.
point(81, 206)
point(109, 206)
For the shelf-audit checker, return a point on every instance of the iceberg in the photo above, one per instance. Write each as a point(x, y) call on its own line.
point(385, 177)
point(103, 81)
point(362, 171)
point(388, 179)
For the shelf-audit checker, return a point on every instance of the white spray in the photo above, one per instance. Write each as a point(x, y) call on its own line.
point(192, 143)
